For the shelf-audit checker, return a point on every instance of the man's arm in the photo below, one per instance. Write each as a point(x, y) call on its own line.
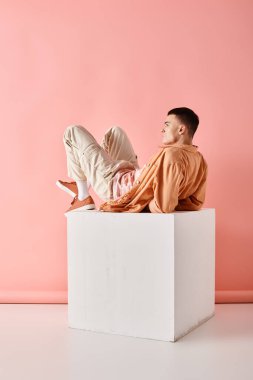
point(166, 188)
point(195, 201)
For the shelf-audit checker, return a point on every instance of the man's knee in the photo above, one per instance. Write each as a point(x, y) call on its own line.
point(116, 129)
point(70, 130)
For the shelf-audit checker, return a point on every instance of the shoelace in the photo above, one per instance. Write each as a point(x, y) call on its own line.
point(74, 199)
point(76, 196)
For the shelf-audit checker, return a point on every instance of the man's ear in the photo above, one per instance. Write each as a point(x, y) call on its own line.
point(182, 129)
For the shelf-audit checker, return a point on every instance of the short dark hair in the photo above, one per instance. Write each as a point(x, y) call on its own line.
point(186, 116)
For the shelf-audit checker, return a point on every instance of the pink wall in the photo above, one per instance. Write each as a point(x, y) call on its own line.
point(103, 63)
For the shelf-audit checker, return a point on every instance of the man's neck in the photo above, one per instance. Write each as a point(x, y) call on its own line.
point(185, 140)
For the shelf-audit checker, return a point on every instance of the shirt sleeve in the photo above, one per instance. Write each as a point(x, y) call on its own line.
point(195, 201)
point(166, 188)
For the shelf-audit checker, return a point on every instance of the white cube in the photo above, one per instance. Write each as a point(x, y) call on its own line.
point(141, 274)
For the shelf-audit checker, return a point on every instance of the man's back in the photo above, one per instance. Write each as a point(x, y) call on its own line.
point(181, 179)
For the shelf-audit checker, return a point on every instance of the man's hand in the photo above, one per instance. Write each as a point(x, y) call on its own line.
point(146, 209)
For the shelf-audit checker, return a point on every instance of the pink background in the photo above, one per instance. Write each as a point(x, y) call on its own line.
point(104, 63)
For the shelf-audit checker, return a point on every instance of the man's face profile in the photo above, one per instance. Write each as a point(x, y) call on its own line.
point(171, 130)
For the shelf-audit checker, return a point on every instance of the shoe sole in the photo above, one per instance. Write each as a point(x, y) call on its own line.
point(64, 188)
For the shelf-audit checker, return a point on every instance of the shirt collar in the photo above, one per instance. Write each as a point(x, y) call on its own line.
point(190, 148)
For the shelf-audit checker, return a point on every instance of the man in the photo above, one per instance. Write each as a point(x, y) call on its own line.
point(173, 179)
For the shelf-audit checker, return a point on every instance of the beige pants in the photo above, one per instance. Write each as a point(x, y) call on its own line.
point(86, 159)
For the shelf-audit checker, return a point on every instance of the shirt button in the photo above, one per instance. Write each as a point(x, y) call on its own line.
point(137, 181)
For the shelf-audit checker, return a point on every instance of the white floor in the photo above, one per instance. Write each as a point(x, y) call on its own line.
point(36, 343)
